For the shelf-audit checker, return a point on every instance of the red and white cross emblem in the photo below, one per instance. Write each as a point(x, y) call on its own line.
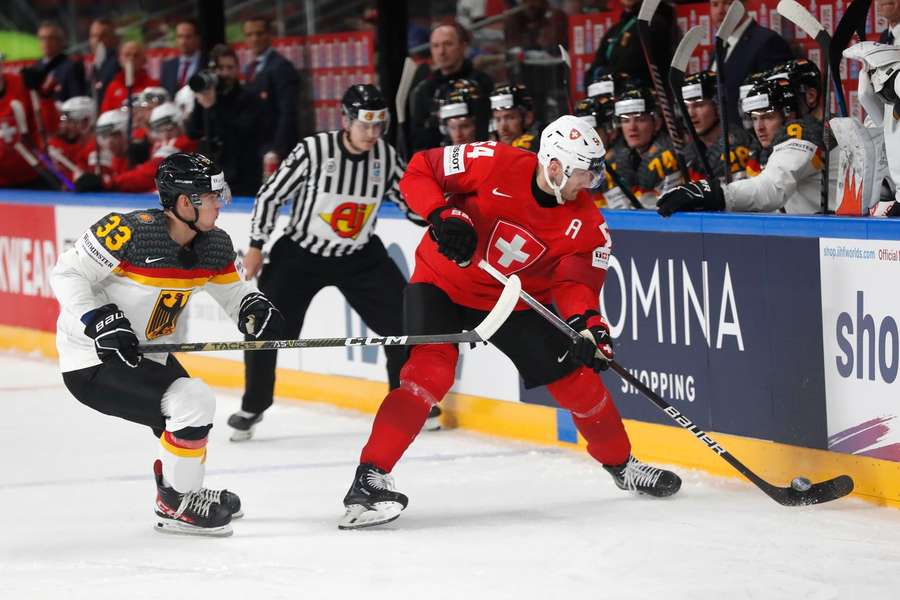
point(511, 248)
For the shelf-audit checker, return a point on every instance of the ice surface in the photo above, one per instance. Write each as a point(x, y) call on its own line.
point(487, 518)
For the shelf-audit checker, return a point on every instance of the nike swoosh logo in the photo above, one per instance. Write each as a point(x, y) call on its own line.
point(559, 359)
point(149, 260)
point(497, 192)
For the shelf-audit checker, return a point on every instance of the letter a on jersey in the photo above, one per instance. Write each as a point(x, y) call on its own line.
point(511, 248)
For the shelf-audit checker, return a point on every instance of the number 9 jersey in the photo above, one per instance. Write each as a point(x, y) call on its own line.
point(130, 260)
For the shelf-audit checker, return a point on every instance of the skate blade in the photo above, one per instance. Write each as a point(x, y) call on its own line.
point(358, 516)
point(432, 424)
point(238, 435)
point(237, 515)
point(171, 526)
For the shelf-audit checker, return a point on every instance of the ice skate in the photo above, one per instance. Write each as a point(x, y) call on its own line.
point(226, 498)
point(371, 500)
point(189, 514)
point(433, 422)
point(243, 423)
point(644, 479)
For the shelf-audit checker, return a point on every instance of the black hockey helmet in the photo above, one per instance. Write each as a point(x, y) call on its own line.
point(191, 174)
point(608, 85)
point(771, 95)
point(598, 111)
point(801, 73)
point(635, 100)
point(462, 102)
point(366, 103)
point(699, 86)
point(514, 95)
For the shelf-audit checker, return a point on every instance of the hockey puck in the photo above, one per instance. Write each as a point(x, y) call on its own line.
point(801, 484)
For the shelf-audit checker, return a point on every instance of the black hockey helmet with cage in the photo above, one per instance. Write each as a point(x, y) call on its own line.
point(598, 111)
point(366, 103)
point(191, 174)
point(515, 95)
point(771, 95)
point(635, 100)
point(699, 86)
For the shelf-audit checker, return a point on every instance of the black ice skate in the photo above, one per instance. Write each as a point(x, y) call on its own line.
point(226, 498)
point(433, 422)
point(243, 423)
point(191, 513)
point(644, 479)
point(371, 499)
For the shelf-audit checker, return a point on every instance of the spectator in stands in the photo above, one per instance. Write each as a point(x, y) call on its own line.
point(55, 75)
point(176, 71)
point(620, 49)
point(143, 105)
point(449, 44)
point(225, 121)
point(274, 80)
point(103, 34)
point(890, 10)
point(538, 27)
point(14, 108)
point(751, 49)
point(117, 92)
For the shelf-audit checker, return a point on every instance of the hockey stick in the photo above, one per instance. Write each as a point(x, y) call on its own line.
point(403, 89)
point(617, 179)
point(129, 89)
point(645, 15)
point(48, 170)
point(58, 156)
point(799, 16)
point(853, 20)
point(816, 493)
point(726, 28)
point(680, 60)
point(481, 333)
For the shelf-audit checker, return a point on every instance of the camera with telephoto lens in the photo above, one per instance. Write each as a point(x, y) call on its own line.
point(202, 81)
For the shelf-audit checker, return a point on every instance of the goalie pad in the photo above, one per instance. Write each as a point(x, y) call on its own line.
point(862, 166)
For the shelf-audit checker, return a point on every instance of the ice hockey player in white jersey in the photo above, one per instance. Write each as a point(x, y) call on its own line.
point(790, 180)
point(125, 282)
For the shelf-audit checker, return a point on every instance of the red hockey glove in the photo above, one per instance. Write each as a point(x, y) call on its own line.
point(454, 233)
point(594, 348)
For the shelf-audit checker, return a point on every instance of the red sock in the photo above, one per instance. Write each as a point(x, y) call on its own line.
point(398, 422)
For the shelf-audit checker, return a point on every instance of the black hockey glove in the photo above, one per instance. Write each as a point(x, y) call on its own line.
point(259, 319)
point(112, 334)
point(699, 195)
point(594, 348)
point(89, 182)
point(454, 233)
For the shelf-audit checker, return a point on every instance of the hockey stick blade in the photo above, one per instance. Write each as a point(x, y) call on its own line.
point(824, 491)
point(730, 22)
point(481, 333)
point(802, 18)
point(680, 61)
point(686, 48)
point(648, 9)
point(404, 87)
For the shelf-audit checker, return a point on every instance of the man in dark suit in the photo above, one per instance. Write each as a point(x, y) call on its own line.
point(177, 70)
point(55, 75)
point(890, 10)
point(275, 81)
point(751, 49)
point(103, 33)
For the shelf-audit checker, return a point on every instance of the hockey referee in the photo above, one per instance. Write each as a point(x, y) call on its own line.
point(337, 181)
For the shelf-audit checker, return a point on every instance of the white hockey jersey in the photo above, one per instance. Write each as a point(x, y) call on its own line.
point(130, 260)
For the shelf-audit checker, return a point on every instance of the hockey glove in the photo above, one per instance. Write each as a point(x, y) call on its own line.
point(89, 182)
point(454, 233)
point(259, 319)
point(112, 334)
point(699, 195)
point(594, 348)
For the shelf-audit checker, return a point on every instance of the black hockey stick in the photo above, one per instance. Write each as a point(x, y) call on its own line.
point(617, 179)
point(816, 493)
point(663, 98)
point(680, 60)
point(481, 333)
point(726, 28)
point(799, 16)
point(853, 21)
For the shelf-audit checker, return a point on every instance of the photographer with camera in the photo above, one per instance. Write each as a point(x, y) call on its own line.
point(225, 120)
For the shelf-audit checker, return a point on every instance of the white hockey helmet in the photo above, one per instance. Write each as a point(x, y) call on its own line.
point(152, 96)
point(78, 108)
point(165, 114)
point(112, 121)
point(576, 145)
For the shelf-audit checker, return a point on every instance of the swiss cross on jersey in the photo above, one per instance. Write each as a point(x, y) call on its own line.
point(511, 247)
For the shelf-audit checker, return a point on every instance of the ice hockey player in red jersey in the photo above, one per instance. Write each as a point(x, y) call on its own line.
point(525, 214)
point(74, 142)
point(16, 130)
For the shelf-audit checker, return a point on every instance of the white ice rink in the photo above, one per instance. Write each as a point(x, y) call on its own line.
point(487, 519)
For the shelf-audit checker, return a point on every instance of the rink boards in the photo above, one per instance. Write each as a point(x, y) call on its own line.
point(778, 333)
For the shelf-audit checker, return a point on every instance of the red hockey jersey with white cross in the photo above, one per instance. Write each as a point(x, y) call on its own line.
point(560, 253)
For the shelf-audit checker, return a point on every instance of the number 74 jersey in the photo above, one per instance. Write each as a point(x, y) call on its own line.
point(553, 248)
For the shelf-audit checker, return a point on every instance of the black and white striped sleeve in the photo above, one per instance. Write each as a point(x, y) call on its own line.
point(398, 168)
point(281, 186)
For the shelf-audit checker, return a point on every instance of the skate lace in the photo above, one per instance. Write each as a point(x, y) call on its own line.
point(638, 474)
point(194, 502)
point(211, 495)
point(379, 481)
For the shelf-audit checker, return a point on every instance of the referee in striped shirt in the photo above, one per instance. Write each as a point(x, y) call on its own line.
point(337, 181)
